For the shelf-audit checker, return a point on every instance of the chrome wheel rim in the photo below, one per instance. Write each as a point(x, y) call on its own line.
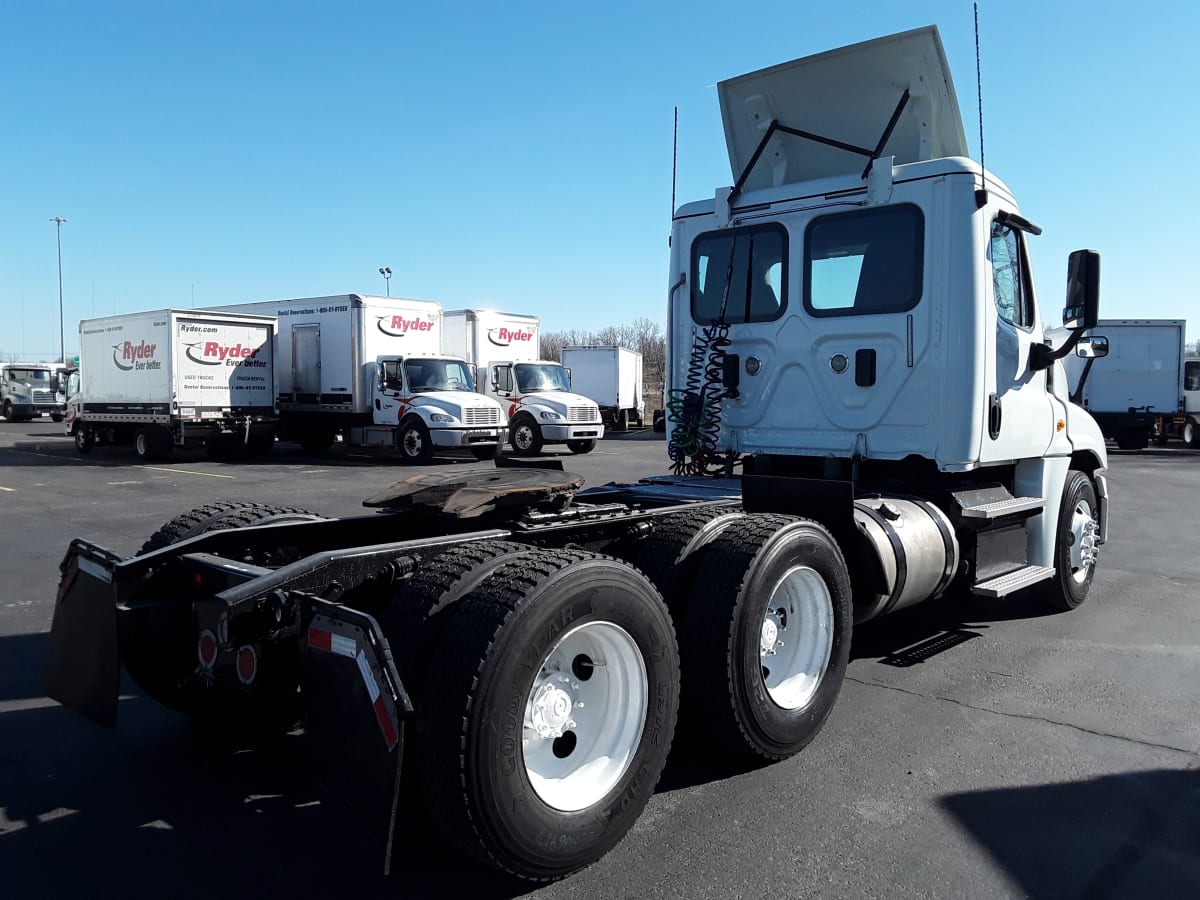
point(584, 716)
point(523, 437)
point(1085, 545)
point(795, 640)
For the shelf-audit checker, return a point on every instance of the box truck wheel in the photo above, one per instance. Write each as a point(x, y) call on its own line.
point(85, 439)
point(525, 436)
point(414, 442)
point(584, 446)
point(766, 635)
point(1076, 548)
point(8, 413)
point(153, 442)
point(1191, 434)
point(621, 420)
point(548, 711)
point(318, 440)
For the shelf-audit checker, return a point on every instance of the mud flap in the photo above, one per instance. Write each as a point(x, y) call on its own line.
point(84, 666)
point(356, 709)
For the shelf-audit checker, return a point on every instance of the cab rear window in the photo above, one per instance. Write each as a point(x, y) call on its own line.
point(739, 275)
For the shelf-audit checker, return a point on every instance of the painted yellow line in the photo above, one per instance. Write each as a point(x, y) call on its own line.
point(10, 490)
point(185, 472)
point(107, 465)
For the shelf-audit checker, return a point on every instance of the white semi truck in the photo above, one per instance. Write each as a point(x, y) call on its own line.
point(371, 369)
point(26, 391)
point(1137, 392)
point(612, 377)
point(175, 378)
point(535, 393)
point(868, 410)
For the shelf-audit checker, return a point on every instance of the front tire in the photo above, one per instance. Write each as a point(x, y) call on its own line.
point(415, 444)
point(525, 436)
point(1076, 548)
point(548, 712)
point(766, 635)
point(581, 447)
point(1191, 434)
point(8, 413)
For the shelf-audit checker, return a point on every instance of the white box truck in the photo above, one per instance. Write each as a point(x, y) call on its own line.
point(535, 393)
point(371, 369)
point(26, 391)
point(175, 378)
point(612, 377)
point(1136, 392)
point(1189, 427)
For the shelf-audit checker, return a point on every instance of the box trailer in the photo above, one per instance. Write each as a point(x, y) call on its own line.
point(371, 370)
point(175, 378)
point(1136, 392)
point(535, 393)
point(612, 377)
point(521, 644)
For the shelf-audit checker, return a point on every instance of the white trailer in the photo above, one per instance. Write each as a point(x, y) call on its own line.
point(535, 393)
point(612, 377)
point(371, 369)
point(175, 378)
point(26, 391)
point(1136, 392)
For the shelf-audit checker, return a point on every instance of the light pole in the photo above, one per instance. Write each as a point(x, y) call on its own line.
point(62, 345)
point(386, 272)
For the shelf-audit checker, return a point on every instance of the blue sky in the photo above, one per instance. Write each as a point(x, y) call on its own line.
point(518, 155)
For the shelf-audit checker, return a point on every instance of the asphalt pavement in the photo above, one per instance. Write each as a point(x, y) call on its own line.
point(975, 751)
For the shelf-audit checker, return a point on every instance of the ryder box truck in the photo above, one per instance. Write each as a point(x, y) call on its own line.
point(175, 378)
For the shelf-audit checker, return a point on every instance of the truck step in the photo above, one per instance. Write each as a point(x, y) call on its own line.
point(1010, 582)
point(998, 508)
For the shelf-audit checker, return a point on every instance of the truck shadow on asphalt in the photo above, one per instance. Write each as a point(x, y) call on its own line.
point(1131, 834)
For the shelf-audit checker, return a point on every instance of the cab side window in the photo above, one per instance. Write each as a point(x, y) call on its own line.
point(1191, 376)
point(1010, 283)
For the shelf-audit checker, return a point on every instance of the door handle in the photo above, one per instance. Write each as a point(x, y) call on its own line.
point(995, 415)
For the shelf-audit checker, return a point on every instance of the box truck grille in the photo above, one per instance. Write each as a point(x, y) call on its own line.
point(582, 414)
point(43, 398)
point(481, 417)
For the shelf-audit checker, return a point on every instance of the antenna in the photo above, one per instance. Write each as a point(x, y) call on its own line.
point(981, 195)
point(674, 166)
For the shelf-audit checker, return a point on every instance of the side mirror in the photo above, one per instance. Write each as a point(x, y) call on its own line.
point(1094, 347)
point(568, 371)
point(380, 375)
point(1082, 310)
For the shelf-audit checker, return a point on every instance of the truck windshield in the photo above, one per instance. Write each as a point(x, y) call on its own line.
point(534, 377)
point(438, 375)
point(41, 376)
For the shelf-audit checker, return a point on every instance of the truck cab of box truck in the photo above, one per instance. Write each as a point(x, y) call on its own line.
point(535, 393)
point(867, 305)
point(26, 390)
point(428, 400)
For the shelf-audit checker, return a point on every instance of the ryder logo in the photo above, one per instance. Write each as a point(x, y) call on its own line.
point(503, 337)
point(212, 353)
point(128, 356)
point(398, 326)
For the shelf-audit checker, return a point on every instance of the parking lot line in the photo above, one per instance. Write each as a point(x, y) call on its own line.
point(90, 462)
point(10, 490)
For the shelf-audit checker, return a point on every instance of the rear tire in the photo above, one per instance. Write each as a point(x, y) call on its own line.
point(316, 441)
point(159, 643)
point(621, 420)
point(514, 772)
point(85, 439)
point(1075, 548)
point(581, 447)
point(153, 443)
point(776, 580)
